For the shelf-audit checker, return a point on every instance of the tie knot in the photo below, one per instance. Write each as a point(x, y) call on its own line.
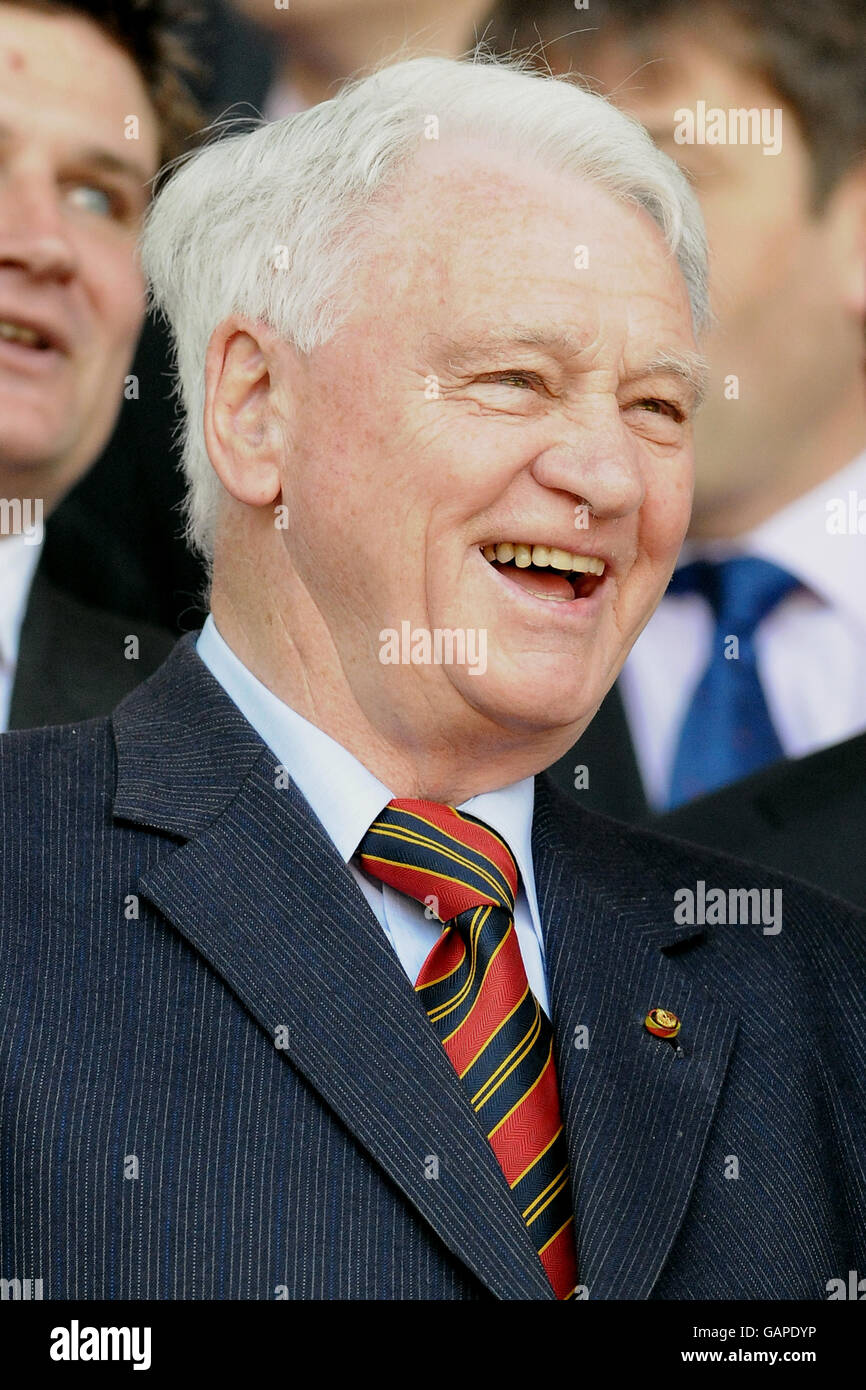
point(741, 591)
point(428, 850)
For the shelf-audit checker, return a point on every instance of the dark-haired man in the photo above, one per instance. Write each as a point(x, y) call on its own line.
point(90, 104)
point(758, 653)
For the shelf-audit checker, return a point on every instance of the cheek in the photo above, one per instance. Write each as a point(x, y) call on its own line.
point(753, 251)
point(666, 510)
point(117, 296)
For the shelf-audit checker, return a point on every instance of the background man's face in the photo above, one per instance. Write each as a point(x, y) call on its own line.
point(72, 193)
point(781, 329)
point(415, 443)
point(301, 11)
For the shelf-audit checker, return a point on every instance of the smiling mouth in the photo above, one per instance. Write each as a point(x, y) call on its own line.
point(546, 572)
point(11, 332)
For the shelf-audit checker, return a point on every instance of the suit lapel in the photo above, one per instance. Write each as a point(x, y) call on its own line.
point(637, 1116)
point(612, 783)
point(49, 672)
point(261, 893)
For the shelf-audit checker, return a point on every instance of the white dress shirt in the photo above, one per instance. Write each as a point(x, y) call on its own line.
point(19, 556)
point(810, 650)
point(347, 798)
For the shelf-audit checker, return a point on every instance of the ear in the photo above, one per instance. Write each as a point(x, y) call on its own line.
point(849, 239)
point(242, 425)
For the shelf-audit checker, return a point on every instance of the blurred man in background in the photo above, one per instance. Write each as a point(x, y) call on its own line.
point(758, 653)
point(318, 44)
point(89, 107)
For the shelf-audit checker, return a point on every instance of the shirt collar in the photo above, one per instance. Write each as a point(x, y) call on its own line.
point(509, 811)
point(800, 540)
point(343, 794)
point(19, 556)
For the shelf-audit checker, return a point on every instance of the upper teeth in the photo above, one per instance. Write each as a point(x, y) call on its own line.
point(16, 332)
point(542, 555)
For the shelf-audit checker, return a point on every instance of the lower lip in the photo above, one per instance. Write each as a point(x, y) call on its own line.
point(565, 611)
point(33, 361)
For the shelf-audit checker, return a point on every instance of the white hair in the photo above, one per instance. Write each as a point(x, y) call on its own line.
point(211, 244)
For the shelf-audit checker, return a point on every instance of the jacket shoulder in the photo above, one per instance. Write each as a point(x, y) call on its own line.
point(46, 769)
point(634, 859)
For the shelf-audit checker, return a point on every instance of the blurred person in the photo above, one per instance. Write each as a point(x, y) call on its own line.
point(318, 44)
point(434, 1032)
point(776, 554)
point(804, 816)
point(78, 81)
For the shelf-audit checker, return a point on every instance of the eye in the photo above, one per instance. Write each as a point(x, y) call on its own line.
point(660, 407)
point(517, 377)
point(90, 197)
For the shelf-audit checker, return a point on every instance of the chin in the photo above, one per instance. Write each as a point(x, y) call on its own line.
point(532, 706)
point(30, 443)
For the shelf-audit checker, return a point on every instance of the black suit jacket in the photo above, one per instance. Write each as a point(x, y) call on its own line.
point(216, 1080)
point(613, 781)
point(72, 661)
point(804, 816)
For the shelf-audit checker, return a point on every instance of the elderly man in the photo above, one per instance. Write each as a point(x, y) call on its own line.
point(352, 1003)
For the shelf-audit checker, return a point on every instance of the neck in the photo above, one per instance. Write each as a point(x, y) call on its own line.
point(38, 485)
point(465, 756)
point(324, 51)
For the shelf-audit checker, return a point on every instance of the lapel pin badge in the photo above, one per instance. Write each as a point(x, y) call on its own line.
point(663, 1024)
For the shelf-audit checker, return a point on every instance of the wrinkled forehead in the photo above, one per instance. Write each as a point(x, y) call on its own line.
point(442, 177)
point(465, 195)
point(470, 230)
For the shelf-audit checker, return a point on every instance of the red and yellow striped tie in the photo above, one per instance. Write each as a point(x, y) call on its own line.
point(477, 997)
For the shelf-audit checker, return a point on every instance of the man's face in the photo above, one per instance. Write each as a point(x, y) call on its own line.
point(782, 329)
point(72, 193)
point(426, 430)
point(302, 11)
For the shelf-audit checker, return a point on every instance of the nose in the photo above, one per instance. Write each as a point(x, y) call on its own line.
point(33, 234)
point(597, 463)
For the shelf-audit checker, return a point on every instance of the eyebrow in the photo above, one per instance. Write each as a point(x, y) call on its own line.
point(96, 158)
point(114, 164)
point(689, 367)
point(559, 342)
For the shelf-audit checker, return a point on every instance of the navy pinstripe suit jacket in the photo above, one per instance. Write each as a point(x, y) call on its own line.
point(235, 1094)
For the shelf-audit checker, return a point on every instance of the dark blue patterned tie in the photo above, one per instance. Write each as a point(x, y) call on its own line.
point(728, 732)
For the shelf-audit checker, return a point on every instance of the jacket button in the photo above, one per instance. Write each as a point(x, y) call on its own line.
point(662, 1023)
